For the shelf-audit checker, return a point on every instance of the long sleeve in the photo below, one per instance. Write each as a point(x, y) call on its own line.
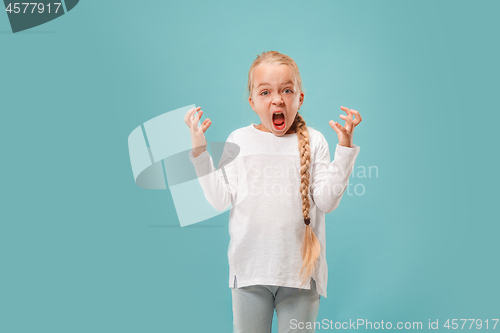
point(330, 179)
point(219, 185)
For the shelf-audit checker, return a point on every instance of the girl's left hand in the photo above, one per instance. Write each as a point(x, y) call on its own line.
point(345, 132)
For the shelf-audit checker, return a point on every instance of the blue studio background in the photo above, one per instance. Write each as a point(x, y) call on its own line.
point(84, 249)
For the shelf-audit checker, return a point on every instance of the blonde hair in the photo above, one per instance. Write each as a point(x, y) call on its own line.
point(310, 245)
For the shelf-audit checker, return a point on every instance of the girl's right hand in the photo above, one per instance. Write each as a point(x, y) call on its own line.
point(198, 140)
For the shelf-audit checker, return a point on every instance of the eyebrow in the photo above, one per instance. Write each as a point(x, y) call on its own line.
point(287, 82)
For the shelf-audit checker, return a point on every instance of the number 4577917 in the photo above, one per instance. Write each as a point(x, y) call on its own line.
point(478, 322)
point(16, 7)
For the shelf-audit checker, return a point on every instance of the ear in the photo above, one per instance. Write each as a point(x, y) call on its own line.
point(251, 103)
point(301, 98)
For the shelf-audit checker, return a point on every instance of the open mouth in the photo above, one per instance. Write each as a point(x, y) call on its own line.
point(279, 120)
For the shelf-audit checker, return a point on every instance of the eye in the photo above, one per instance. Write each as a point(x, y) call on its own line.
point(262, 93)
point(289, 90)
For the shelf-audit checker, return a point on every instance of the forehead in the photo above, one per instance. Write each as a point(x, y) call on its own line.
point(272, 74)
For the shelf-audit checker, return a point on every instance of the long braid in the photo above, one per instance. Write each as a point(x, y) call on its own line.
point(311, 247)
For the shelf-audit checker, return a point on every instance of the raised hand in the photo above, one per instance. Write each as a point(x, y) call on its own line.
point(198, 140)
point(345, 132)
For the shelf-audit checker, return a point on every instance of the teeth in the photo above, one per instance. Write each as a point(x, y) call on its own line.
point(279, 113)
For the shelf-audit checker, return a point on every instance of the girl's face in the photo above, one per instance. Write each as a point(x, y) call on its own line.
point(275, 90)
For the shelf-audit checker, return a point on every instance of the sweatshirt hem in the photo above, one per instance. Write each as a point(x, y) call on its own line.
point(243, 282)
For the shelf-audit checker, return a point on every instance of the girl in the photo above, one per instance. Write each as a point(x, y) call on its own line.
point(280, 195)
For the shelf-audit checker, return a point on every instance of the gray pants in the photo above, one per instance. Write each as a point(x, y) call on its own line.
point(253, 308)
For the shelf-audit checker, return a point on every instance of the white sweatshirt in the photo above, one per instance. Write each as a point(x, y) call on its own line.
point(259, 175)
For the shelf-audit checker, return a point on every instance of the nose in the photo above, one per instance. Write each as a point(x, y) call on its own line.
point(277, 99)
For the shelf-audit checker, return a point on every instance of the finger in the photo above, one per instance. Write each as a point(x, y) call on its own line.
point(357, 118)
point(206, 124)
point(189, 115)
point(196, 119)
point(343, 117)
point(198, 116)
point(347, 123)
point(193, 123)
point(348, 118)
point(334, 126)
point(342, 128)
point(344, 108)
point(194, 112)
point(337, 127)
